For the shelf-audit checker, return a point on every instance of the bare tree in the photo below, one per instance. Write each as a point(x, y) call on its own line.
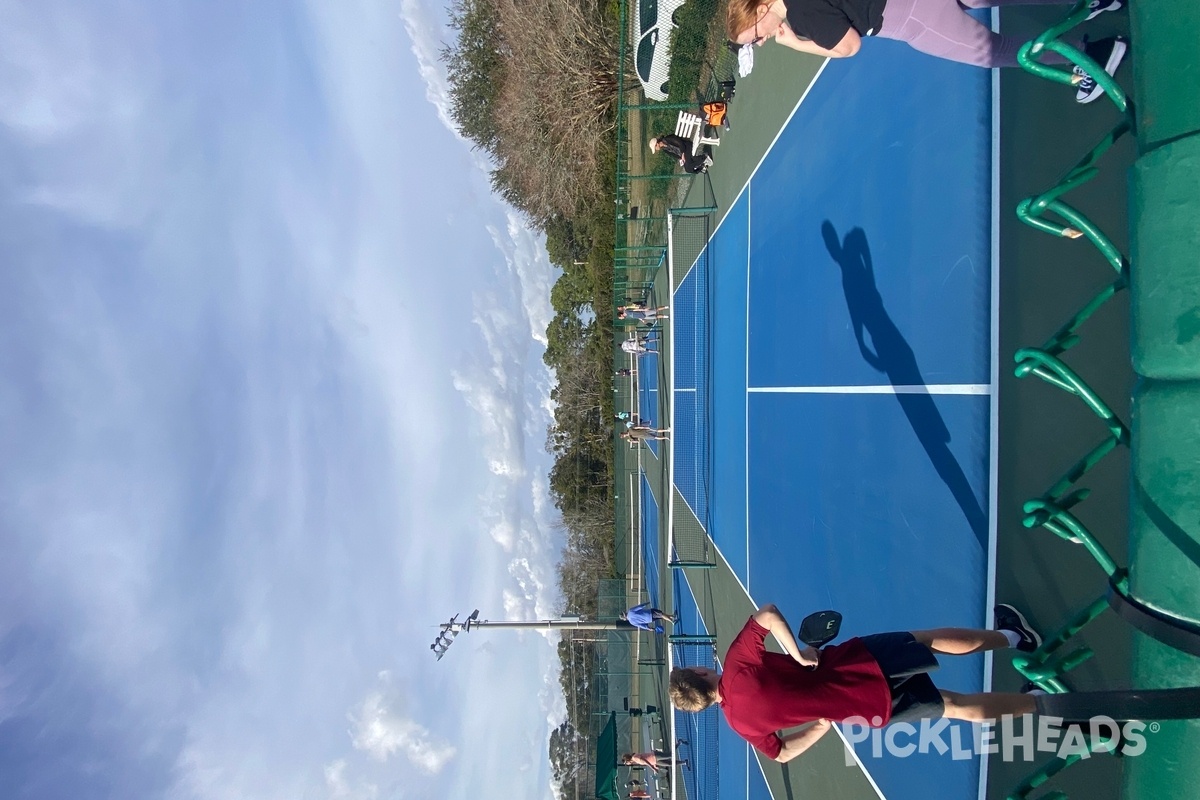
point(557, 105)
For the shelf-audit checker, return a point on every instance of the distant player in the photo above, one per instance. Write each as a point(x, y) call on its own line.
point(647, 618)
point(643, 434)
point(637, 346)
point(655, 759)
point(648, 315)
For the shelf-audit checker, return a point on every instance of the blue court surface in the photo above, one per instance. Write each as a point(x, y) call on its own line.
point(848, 446)
point(701, 733)
point(650, 543)
point(648, 383)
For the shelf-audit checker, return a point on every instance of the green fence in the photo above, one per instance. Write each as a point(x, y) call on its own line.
point(1158, 592)
point(648, 184)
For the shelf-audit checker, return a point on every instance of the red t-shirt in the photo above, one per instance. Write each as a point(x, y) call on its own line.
point(764, 692)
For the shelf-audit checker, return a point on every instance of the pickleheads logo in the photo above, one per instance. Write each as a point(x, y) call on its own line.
point(1017, 738)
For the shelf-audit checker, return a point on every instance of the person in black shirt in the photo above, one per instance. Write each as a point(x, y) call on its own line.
point(681, 149)
point(943, 28)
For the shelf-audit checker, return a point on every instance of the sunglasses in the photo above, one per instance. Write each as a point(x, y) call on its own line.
point(757, 39)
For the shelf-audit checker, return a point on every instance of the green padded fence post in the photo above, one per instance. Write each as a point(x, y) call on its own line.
point(1165, 289)
point(1165, 573)
point(1166, 69)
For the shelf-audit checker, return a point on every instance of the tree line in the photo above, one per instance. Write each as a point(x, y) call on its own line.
point(534, 85)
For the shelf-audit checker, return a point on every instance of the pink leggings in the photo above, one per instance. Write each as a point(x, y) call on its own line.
point(943, 28)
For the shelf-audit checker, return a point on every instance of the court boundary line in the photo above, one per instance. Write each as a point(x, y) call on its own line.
point(746, 432)
point(883, 388)
point(670, 449)
point(994, 412)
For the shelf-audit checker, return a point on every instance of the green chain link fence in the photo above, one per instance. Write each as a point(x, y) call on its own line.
point(649, 185)
point(1050, 212)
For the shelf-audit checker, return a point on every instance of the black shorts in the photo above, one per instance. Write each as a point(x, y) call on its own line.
point(905, 663)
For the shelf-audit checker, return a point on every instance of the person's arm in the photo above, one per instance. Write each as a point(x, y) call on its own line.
point(859, 326)
point(769, 617)
point(847, 47)
point(797, 743)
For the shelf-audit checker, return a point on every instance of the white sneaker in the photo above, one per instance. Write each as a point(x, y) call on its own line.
point(1098, 7)
point(1107, 52)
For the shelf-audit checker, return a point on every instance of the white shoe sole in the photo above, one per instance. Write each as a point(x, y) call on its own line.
point(1037, 637)
point(1110, 66)
point(1100, 11)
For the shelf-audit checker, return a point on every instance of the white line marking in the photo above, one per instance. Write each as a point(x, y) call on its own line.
point(887, 388)
point(746, 432)
point(994, 416)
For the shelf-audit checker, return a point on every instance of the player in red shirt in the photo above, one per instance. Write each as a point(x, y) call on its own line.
point(879, 679)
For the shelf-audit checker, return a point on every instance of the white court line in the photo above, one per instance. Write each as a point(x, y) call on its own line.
point(746, 432)
point(686, 389)
point(887, 388)
point(994, 417)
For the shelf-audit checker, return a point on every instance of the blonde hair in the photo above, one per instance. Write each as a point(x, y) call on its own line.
point(691, 691)
point(740, 15)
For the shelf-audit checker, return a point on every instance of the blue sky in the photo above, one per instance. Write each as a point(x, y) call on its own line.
point(273, 406)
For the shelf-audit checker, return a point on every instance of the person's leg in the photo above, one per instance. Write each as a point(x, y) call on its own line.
point(961, 641)
point(1098, 7)
point(693, 163)
point(987, 706)
point(943, 28)
point(1001, 3)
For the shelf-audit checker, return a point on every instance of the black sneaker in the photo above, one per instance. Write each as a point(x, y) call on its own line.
point(1009, 619)
point(1098, 7)
point(1107, 52)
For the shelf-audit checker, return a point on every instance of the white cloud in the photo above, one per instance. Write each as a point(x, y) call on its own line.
point(525, 258)
point(275, 367)
point(340, 788)
point(425, 47)
point(381, 730)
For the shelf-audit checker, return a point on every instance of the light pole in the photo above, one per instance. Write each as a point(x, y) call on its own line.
point(451, 629)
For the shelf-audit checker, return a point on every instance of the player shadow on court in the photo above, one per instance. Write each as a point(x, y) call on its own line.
point(890, 354)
